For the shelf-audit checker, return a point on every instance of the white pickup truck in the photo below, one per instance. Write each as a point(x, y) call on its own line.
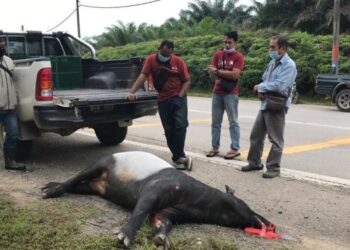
point(61, 91)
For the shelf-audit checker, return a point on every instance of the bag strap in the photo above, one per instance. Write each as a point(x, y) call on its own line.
point(223, 58)
point(6, 70)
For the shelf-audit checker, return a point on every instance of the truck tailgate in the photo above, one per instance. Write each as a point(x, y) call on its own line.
point(89, 97)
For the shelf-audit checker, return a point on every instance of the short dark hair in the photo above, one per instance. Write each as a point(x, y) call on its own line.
point(167, 43)
point(281, 41)
point(233, 35)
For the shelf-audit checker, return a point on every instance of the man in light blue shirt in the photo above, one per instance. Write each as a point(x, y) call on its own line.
point(278, 78)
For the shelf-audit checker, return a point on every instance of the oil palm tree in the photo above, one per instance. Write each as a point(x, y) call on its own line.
point(223, 10)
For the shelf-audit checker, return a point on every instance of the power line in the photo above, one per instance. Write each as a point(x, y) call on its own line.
point(62, 20)
point(119, 7)
point(100, 7)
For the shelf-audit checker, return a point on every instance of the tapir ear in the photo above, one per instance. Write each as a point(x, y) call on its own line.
point(229, 190)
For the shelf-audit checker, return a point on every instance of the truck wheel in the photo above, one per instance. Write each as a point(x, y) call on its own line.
point(110, 134)
point(342, 100)
point(23, 150)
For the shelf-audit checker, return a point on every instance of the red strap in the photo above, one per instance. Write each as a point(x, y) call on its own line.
point(268, 233)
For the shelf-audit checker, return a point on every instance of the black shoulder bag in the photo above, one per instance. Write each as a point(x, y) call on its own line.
point(227, 85)
point(162, 75)
point(275, 102)
point(6, 70)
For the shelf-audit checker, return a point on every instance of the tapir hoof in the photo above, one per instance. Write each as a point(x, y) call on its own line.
point(123, 239)
point(161, 241)
point(52, 190)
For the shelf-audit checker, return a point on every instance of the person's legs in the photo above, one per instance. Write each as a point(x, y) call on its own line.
point(217, 112)
point(257, 137)
point(275, 123)
point(166, 117)
point(12, 130)
point(231, 107)
point(179, 127)
point(10, 122)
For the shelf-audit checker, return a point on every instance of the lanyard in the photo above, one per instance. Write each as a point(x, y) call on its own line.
point(272, 68)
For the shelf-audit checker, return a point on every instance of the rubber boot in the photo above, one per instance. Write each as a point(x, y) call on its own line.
point(10, 160)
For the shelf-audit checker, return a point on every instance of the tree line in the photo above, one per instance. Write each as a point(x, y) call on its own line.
point(312, 54)
point(203, 17)
point(198, 34)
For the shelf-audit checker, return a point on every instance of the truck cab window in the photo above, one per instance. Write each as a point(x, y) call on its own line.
point(34, 48)
point(52, 47)
point(16, 48)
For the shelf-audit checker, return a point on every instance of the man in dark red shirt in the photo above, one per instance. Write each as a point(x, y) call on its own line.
point(225, 70)
point(171, 80)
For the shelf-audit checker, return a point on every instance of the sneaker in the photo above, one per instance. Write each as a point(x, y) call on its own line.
point(180, 163)
point(179, 166)
point(184, 163)
point(189, 163)
point(249, 168)
point(271, 174)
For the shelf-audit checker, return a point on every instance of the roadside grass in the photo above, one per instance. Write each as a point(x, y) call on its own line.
point(57, 224)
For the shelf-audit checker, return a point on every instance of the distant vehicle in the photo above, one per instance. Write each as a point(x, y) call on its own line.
point(337, 87)
point(62, 87)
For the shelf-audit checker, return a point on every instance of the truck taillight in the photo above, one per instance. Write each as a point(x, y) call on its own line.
point(43, 91)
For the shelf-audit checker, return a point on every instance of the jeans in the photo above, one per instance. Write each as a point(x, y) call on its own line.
point(10, 121)
point(173, 114)
point(228, 103)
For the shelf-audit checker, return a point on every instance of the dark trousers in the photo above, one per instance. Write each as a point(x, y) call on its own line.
point(272, 124)
point(173, 114)
point(10, 121)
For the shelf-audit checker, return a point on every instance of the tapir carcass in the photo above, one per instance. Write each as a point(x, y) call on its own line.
point(152, 187)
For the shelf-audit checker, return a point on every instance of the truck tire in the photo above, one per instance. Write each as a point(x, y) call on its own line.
point(110, 134)
point(24, 150)
point(342, 100)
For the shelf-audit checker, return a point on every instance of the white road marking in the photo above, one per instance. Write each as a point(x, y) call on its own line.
point(285, 172)
point(287, 121)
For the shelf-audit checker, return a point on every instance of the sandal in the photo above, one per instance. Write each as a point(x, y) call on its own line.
point(212, 153)
point(231, 155)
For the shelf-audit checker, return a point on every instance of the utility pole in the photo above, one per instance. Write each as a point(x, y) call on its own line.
point(78, 18)
point(335, 49)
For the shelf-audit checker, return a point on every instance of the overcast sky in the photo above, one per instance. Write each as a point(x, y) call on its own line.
point(45, 14)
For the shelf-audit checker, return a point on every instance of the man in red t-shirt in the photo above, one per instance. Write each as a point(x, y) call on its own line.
point(225, 70)
point(171, 80)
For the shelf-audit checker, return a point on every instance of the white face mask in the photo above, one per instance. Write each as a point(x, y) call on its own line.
point(229, 51)
point(163, 58)
point(274, 54)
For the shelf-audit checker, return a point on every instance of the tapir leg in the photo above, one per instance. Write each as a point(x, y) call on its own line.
point(55, 189)
point(141, 212)
point(162, 226)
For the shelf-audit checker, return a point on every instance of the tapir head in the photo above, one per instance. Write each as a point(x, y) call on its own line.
point(240, 214)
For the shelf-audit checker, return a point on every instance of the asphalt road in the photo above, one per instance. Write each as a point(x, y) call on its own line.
point(317, 138)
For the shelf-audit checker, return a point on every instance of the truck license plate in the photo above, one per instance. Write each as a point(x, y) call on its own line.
point(102, 108)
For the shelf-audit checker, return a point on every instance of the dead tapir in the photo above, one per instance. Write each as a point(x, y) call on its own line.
point(152, 187)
